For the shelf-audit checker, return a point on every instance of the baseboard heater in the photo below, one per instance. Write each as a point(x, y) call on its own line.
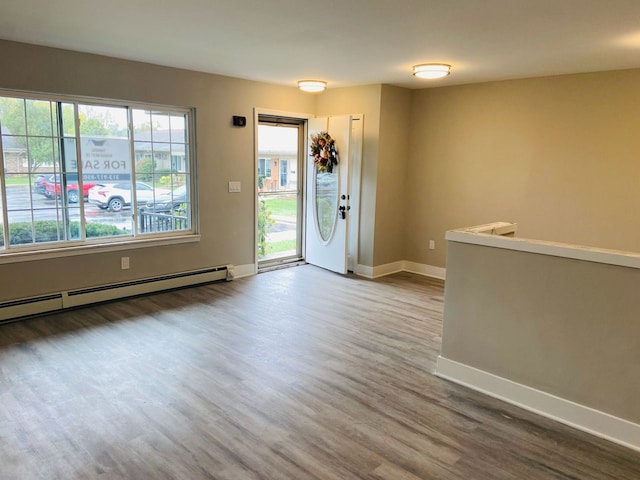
point(13, 309)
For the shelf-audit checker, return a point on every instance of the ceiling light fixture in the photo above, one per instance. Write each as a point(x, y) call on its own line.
point(431, 70)
point(312, 85)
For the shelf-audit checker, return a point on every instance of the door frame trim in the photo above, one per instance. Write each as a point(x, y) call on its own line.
point(355, 187)
point(257, 112)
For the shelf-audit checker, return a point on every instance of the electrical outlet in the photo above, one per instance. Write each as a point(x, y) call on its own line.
point(124, 263)
point(432, 244)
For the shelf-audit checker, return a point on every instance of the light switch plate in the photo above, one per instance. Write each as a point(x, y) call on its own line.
point(234, 187)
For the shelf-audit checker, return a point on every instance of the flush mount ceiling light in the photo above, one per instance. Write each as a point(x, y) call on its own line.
point(312, 85)
point(431, 70)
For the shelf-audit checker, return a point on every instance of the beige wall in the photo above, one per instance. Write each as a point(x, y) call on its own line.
point(557, 155)
point(224, 153)
point(563, 326)
point(363, 100)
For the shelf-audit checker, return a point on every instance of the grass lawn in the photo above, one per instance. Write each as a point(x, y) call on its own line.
point(15, 180)
point(282, 207)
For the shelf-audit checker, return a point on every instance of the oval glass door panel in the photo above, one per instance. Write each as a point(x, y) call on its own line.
point(326, 202)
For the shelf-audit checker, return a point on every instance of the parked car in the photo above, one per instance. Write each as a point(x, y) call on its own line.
point(117, 196)
point(40, 183)
point(53, 187)
point(169, 201)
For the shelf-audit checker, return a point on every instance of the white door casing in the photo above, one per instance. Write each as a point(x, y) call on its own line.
point(328, 199)
point(355, 172)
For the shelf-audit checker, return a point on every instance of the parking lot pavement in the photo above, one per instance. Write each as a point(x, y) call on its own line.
point(22, 204)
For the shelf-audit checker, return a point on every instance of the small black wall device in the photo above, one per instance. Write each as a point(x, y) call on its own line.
point(239, 121)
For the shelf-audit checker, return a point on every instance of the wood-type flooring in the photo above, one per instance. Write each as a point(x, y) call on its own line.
point(293, 374)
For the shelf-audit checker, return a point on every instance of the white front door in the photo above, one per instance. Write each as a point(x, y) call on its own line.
point(328, 199)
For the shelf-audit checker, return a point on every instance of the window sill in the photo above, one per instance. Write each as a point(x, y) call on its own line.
point(27, 256)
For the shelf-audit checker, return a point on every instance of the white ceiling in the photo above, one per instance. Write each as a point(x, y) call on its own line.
point(345, 42)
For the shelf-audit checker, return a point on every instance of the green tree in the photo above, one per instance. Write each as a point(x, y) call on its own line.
point(96, 120)
point(92, 126)
point(31, 117)
point(265, 222)
point(37, 121)
point(144, 169)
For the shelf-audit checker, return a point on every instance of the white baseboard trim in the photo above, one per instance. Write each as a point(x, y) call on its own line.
point(401, 266)
point(380, 270)
point(564, 411)
point(426, 270)
point(363, 271)
point(247, 270)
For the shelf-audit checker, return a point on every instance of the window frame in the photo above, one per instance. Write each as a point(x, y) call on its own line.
point(35, 251)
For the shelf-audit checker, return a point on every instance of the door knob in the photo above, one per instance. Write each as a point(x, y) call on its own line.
point(343, 211)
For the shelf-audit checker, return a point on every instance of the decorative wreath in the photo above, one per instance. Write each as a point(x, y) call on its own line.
point(323, 151)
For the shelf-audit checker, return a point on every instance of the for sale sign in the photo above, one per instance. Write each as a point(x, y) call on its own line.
point(104, 159)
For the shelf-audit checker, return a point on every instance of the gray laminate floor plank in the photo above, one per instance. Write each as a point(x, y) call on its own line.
point(293, 374)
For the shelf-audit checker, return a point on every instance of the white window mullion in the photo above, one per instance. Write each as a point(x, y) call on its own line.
point(5, 214)
point(132, 171)
point(76, 122)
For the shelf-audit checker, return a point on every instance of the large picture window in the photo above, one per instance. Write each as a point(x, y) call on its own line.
point(76, 173)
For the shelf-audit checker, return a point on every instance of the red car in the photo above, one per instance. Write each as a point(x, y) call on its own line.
point(53, 187)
